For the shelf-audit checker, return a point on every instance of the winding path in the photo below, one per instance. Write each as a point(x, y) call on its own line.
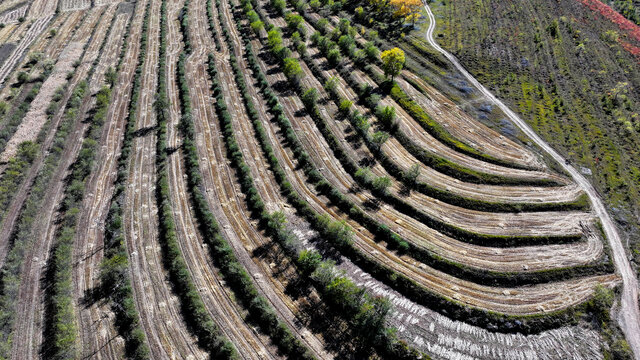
point(628, 316)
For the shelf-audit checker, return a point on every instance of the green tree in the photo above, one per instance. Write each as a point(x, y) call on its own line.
point(293, 21)
point(309, 260)
point(411, 174)
point(292, 70)
point(392, 62)
point(310, 98)
point(381, 184)
point(379, 138)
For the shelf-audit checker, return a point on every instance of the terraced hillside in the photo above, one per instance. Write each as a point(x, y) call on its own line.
point(232, 179)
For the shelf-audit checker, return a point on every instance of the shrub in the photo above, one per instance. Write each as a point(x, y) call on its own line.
point(292, 70)
point(334, 57)
point(387, 116)
point(310, 98)
point(345, 106)
point(279, 6)
point(22, 77)
point(381, 184)
point(411, 175)
point(257, 26)
point(379, 138)
point(293, 21)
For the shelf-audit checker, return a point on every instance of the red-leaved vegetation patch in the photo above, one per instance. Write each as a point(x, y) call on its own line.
point(623, 23)
point(630, 48)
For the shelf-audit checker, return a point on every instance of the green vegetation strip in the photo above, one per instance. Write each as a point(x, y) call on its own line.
point(369, 99)
point(60, 324)
point(22, 238)
point(430, 125)
point(212, 26)
point(184, 27)
point(115, 280)
point(234, 274)
point(14, 120)
point(361, 177)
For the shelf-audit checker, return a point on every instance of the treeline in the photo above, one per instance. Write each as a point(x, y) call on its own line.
point(60, 325)
point(387, 115)
point(114, 271)
point(369, 98)
point(212, 26)
point(408, 287)
point(365, 313)
point(184, 27)
point(200, 322)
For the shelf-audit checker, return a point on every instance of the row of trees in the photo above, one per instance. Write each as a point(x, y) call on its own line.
point(114, 270)
point(209, 334)
point(392, 65)
point(61, 325)
point(386, 115)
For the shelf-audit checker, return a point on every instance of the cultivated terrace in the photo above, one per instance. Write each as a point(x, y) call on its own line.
point(303, 179)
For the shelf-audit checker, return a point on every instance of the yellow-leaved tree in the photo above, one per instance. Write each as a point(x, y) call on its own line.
point(392, 62)
point(407, 9)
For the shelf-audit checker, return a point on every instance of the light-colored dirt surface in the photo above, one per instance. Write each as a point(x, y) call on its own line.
point(12, 16)
point(42, 8)
point(10, 4)
point(528, 301)
point(97, 335)
point(514, 259)
point(70, 5)
point(218, 299)
point(225, 197)
point(159, 308)
point(36, 117)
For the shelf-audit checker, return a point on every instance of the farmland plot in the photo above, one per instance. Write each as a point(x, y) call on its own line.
point(205, 179)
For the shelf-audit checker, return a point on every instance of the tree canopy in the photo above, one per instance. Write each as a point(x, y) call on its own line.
point(392, 62)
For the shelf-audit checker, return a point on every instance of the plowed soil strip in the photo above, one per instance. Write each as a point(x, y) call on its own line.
point(225, 197)
point(159, 309)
